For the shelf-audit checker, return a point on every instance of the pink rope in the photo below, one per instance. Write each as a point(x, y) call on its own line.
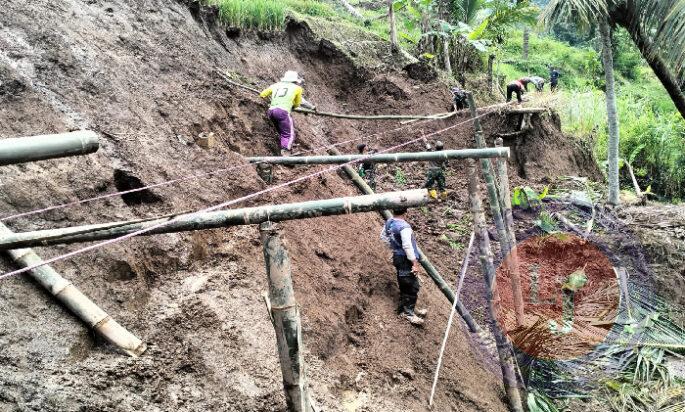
point(225, 204)
point(188, 178)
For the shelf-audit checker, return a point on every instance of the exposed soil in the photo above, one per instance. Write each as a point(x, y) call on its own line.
point(545, 264)
point(142, 74)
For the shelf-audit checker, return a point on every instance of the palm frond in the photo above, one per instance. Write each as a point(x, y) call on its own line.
point(581, 12)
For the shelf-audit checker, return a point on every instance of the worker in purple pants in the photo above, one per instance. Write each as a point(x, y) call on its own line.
point(286, 95)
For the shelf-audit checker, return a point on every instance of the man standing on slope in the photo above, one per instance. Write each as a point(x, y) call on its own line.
point(285, 95)
point(399, 236)
point(554, 78)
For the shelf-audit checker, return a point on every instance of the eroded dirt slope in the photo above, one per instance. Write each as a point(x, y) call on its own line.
point(142, 74)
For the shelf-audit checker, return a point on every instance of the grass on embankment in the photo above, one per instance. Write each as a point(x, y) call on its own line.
point(266, 14)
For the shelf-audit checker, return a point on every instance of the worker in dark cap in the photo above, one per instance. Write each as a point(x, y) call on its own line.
point(436, 174)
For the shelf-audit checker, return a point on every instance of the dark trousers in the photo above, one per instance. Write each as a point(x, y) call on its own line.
point(554, 85)
point(408, 283)
point(435, 178)
point(514, 88)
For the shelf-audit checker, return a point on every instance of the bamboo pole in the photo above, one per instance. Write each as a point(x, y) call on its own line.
point(512, 261)
point(30, 149)
point(424, 261)
point(486, 166)
point(78, 303)
point(527, 110)
point(286, 320)
point(504, 350)
point(219, 219)
point(502, 152)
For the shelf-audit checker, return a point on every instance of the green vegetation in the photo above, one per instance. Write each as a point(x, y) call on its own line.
point(652, 130)
point(266, 14)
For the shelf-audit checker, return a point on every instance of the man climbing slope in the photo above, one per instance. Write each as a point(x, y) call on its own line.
point(435, 177)
point(286, 95)
point(519, 87)
point(399, 236)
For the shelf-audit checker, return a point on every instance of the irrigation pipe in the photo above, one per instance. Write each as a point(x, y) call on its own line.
point(464, 267)
point(224, 204)
point(439, 116)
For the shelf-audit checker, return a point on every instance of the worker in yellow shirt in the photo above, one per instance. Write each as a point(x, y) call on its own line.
point(285, 95)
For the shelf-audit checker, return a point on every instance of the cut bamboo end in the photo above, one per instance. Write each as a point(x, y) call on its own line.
point(118, 336)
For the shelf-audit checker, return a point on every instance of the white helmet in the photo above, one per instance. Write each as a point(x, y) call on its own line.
point(291, 76)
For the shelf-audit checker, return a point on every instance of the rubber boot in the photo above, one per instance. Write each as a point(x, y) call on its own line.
point(443, 195)
point(433, 194)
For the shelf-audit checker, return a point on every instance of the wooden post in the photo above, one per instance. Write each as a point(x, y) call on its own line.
point(286, 320)
point(511, 260)
point(504, 349)
point(493, 197)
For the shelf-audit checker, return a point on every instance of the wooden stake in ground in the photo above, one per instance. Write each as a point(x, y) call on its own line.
point(504, 349)
point(286, 320)
point(512, 260)
point(464, 266)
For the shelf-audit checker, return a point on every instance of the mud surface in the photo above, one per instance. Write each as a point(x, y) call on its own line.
point(142, 74)
point(548, 267)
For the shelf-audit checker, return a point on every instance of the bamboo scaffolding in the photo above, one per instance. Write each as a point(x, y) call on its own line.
point(512, 260)
point(486, 166)
point(213, 220)
point(424, 261)
point(387, 157)
point(504, 349)
point(285, 315)
point(30, 149)
point(78, 303)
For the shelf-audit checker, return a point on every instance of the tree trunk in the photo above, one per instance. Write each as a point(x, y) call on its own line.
point(526, 42)
point(612, 115)
point(352, 10)
point(625, 19)
point(394, 45)
point(446, 51)
point(491, 78)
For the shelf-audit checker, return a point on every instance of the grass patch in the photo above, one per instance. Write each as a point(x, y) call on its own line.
point(268, 15)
